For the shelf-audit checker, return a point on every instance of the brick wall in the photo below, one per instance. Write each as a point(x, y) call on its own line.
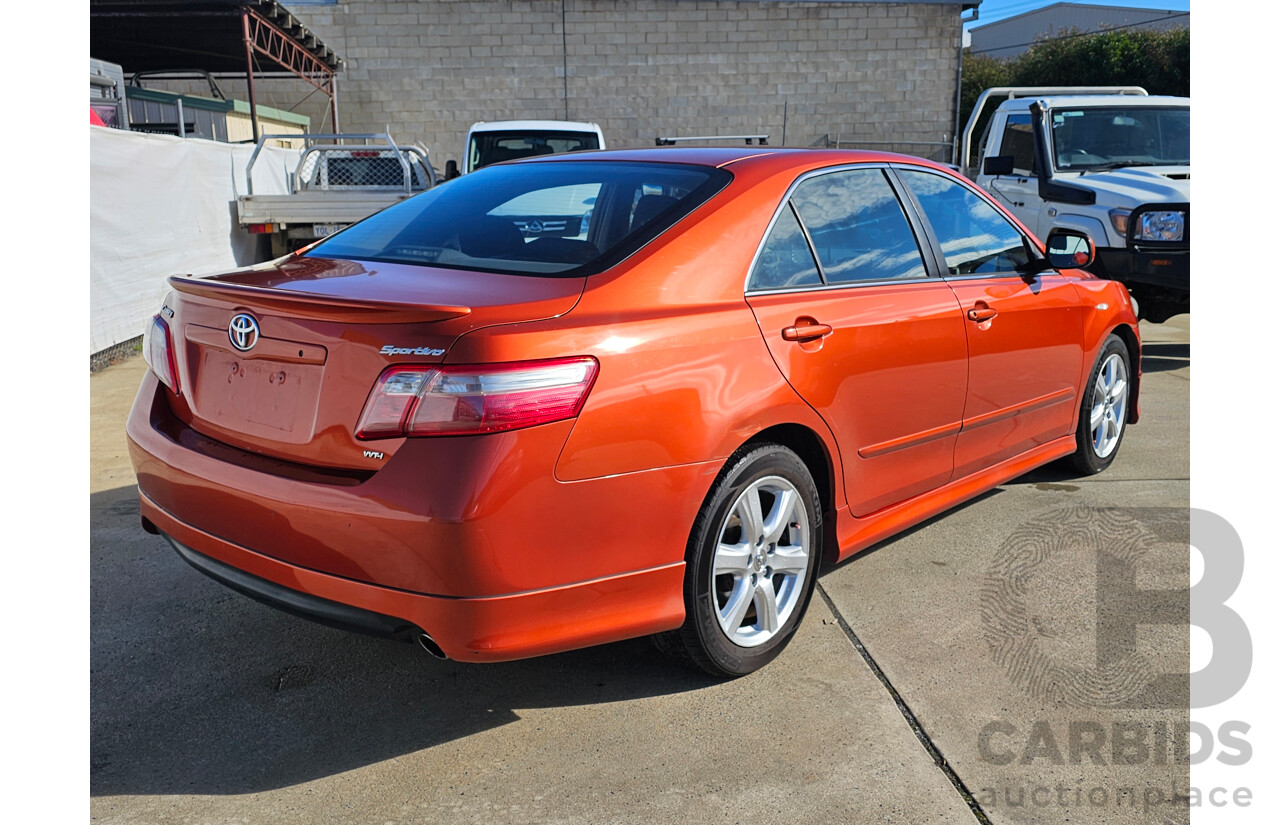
point(640, 68)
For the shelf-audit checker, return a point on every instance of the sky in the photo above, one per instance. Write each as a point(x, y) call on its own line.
point(992, 10)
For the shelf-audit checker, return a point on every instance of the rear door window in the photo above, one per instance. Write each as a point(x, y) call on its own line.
point(785, 259)
point(858, 228)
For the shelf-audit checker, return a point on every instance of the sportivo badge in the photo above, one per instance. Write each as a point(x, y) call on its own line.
point(390, 350)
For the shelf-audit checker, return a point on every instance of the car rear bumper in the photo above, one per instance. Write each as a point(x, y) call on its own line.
point(472, 541)
point(492, 629)
point(333, 614)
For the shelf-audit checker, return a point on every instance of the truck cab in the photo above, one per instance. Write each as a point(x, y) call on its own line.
point(1116, 166)
point(496, 141)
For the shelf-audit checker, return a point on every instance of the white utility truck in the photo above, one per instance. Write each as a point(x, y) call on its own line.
point(340, 179)
point(1113, 162)
point(499, 140)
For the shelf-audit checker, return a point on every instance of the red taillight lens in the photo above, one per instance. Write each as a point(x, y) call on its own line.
point(157, 350)
point(466, 400)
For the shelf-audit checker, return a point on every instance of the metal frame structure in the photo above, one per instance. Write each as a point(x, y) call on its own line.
point(261, 36)
point(218, 36)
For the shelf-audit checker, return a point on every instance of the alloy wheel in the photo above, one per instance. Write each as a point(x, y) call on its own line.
point(1110, 399)
point(761, 561)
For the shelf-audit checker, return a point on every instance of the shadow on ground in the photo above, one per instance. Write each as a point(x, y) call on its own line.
point(196, 689)
point(1161, 357)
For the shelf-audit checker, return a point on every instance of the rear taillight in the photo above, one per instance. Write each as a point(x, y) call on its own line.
point(466, 400)
point(157, 350)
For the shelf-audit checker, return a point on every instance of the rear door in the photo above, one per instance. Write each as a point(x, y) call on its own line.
point(1024, 332)
point(863, 332)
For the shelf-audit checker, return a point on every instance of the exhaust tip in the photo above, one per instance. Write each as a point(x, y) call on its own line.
point(429, 644)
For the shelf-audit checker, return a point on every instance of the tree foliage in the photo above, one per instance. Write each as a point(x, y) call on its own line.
point(1158, 61)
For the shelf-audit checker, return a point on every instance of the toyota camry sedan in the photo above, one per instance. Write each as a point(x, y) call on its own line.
point(576, 399)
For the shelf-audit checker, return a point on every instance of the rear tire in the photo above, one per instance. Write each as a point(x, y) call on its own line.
point(1104, 409)
point(750, 565)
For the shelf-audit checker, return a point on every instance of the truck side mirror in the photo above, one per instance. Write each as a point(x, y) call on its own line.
point(1069, 248)
point(998, 165)
point(450, 169)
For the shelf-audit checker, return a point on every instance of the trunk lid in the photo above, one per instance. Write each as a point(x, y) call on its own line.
point(280, 359)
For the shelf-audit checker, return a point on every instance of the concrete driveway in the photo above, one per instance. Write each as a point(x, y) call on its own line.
point(1016, 660)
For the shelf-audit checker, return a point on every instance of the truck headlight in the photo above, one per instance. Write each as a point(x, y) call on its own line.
point(1161, 226)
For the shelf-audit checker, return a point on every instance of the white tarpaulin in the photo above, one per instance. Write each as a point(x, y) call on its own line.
point(161, 206)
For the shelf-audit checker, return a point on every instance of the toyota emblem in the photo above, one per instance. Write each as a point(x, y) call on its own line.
point(243, 331)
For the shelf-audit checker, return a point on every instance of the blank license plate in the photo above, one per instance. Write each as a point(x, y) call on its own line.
point(258, 396)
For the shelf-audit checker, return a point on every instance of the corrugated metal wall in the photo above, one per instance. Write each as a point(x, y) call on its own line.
point(1011, 37)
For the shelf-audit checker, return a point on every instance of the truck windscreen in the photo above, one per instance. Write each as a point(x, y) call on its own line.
point(495, 147)
point(1097, 138)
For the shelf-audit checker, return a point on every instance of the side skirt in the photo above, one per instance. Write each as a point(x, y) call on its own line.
point(855, 534)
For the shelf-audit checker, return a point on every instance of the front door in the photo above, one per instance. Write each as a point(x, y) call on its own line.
point(1024, 332)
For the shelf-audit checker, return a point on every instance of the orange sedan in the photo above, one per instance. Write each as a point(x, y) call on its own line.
point(567, 401)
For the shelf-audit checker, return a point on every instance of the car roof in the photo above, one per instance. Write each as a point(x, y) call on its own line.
point(736, 156)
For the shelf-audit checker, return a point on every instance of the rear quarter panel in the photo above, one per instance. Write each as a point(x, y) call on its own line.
point(685, 375)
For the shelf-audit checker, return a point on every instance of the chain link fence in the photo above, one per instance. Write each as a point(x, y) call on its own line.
point(115, 354)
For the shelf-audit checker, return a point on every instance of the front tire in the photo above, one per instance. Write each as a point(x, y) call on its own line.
point(1104, 409)
point(750, 565)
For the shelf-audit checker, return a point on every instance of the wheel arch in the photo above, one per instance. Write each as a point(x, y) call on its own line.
point(811, 449)
point(1126, 334)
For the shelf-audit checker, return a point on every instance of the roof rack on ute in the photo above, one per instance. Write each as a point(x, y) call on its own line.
point(763, 140)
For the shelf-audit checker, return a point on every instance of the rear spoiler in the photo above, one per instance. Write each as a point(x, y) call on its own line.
point(326, 307)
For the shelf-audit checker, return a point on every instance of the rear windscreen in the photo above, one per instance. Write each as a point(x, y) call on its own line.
point(537, 218)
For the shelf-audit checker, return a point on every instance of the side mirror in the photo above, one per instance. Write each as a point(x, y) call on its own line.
point(998, 165)
point(450, 169)
point(1069, 249)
